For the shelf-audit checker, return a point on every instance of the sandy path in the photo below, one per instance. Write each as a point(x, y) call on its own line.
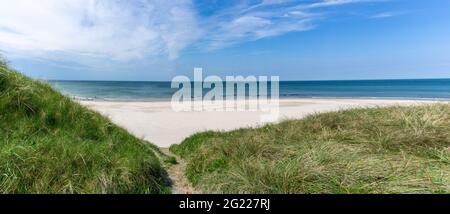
point(158, 123)
point(179, 182)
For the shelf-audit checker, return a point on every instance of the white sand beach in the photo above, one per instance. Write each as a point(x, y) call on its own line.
point(157, 123)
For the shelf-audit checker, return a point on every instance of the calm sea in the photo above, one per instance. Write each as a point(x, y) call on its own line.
point(152, 91)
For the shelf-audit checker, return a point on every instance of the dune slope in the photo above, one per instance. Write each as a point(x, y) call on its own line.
point(50, 144)
point(379, 150)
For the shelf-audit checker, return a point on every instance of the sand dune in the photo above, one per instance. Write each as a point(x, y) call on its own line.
point(158, 123)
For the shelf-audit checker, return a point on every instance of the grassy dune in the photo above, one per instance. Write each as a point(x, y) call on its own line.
point(49, 144)
point(384, 150)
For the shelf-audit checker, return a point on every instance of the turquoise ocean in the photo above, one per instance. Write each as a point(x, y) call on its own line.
point(435, 89)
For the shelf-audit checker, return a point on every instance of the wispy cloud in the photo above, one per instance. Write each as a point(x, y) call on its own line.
point(123, 30)
point(388, 14)
point(267, 18)
point(329, 3)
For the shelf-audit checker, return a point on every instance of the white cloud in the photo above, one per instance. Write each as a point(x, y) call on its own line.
point(122, 30)
point(114, 29)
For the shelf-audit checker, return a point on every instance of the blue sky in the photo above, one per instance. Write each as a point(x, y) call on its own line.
point(294, 39)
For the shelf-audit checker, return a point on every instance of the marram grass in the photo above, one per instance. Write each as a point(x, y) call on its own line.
point(50, 144)
point(381, 150)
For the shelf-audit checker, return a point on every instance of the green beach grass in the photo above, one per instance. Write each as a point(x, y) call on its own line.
point(381, 150)
point(50, 144)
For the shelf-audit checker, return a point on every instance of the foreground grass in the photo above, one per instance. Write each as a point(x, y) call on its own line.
point(383, 150)
point(49, 144)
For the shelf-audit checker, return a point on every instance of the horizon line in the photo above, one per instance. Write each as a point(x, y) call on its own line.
point(323, 80)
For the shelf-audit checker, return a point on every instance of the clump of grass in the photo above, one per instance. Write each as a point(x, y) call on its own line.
point(171, 160)
point(381, 150)
point(50, 144)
